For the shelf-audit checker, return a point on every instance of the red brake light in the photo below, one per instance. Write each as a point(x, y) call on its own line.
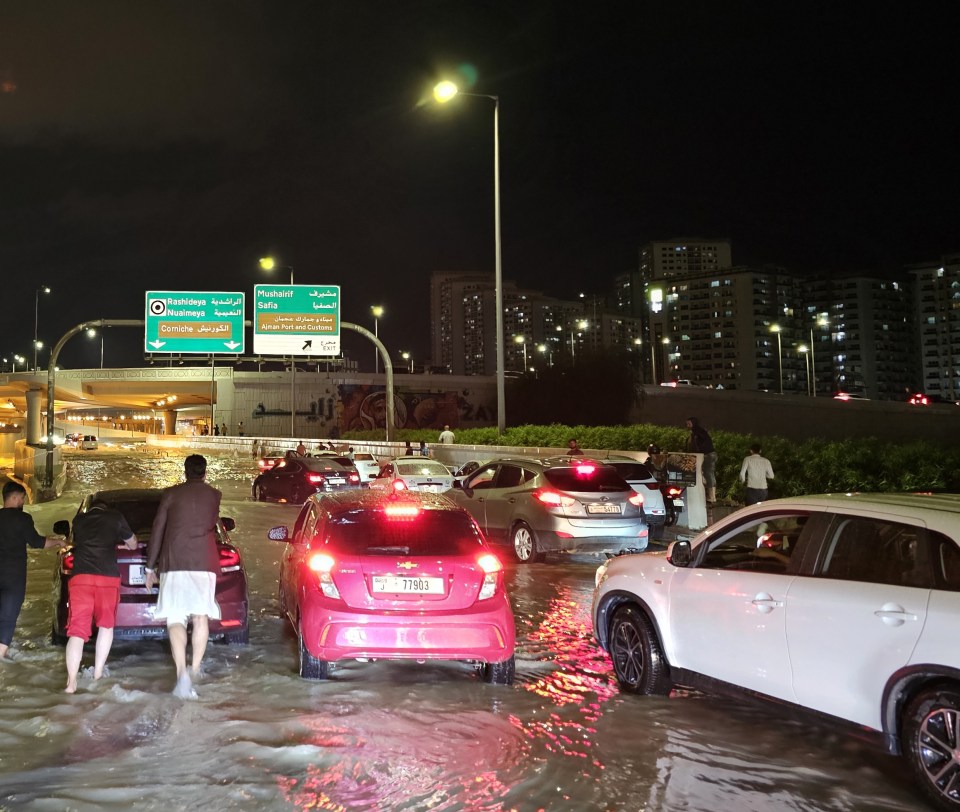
point(585, 469)
point(398, 485)
point(636, 499)
point(354, 477)
point(554, 499)
point(489, 563)
point(321, 562)
point(316, 479)
point(398, 511)
point(229, 557)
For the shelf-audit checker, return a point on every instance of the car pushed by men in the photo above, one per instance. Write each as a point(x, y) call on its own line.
point(845, 606)
point(567, 504)
point(135, 613)
point(386, 574)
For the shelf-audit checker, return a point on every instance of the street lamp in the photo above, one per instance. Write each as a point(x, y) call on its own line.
point(18, 359)
point(544, 348)
point(775, 328)
point(409, 359)
point(637, 343)
point(822, 321)
point(579, 326)
point(522, 340)
point(91, 333)
point(268, 264)
point(443, 93)
point(803, 348)
point(36, 321)
point(377, 311)
point(666, 358)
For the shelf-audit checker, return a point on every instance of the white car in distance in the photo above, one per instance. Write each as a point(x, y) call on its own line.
point(417, 473)
point(845, 605)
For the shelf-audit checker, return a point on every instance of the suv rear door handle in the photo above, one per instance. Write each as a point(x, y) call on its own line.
point(766, 603)
point(894, 615)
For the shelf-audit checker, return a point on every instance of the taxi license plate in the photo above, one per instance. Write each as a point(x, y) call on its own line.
point(603, 508)
point(137, 576)
point(407, 585)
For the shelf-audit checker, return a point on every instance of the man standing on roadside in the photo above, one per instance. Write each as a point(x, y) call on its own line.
point(446, 436)
point(183, 546)
point(701, 443)
point(16, 534)
point(755, 472)
point(94, 587)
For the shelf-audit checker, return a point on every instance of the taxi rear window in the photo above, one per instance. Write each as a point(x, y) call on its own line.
point(429, 532)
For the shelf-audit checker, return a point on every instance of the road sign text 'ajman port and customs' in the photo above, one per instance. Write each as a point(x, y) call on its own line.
point(296, 320)
point(201, 323)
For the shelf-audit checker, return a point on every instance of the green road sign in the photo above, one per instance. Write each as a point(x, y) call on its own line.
point(194, 323)
point(296, 320)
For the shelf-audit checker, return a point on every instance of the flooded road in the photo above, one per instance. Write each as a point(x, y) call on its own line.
point(390, 736)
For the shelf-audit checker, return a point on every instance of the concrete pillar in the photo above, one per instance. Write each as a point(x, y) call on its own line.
point(34, 419)
point(170, 421)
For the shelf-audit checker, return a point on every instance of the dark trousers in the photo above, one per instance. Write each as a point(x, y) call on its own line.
point(755, 495)
point(12, 593)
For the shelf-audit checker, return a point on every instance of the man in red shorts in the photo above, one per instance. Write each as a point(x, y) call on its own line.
point(94, 586)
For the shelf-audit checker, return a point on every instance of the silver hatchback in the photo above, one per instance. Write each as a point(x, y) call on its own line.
point(564, 504)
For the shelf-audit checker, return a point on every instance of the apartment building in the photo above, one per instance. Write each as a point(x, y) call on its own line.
point(936, 302)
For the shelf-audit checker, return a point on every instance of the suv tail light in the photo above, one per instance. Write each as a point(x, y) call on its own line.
point(554, 499)
point(636, 499)
point(492, 569)
point(316, 479)
point(229, 559)
point(322, 564)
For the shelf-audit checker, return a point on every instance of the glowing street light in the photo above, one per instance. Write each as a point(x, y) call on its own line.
point(409, 359)
point(803, 348)
point(268, 264)
point(444, 92)
point(822, 321)
point(91, 333)
point(36, 321)
point(544, 348)
point(775, 328)
point(522, 340)
point(377, 311)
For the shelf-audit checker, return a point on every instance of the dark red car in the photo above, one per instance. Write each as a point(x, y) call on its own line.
point(370, 574)
point(135, 614)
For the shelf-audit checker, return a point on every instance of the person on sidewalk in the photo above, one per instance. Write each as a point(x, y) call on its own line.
point(183, 546)
point(700, 443)
point(94, 587)
point(446, 436)
point(16, 534)
point(755, 472)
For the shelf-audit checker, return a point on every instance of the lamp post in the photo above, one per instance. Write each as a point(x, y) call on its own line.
point(803, 348)
point(545, 349)
point(522, 340)
point(36, 321)
point(91, 333)
point(268, 264)
point(377, 311)
point(775, 328)
point(579, 326)
point(444, 92)
point(18, 359)
point(637, 343)
point(666, 358)
point(409, 359)
point(822, 321)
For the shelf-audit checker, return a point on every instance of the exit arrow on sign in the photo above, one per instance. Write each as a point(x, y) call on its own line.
point(157, 344)
point(231, 345)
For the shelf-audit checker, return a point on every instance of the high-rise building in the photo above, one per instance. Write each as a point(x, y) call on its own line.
point(937, 306)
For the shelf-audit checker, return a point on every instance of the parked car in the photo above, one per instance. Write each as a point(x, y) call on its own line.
point(294, 478)
point(417, 474)
point(643, 481)
point(843, 605)
point(374, 574)
point(135, 613)
point(563, 504)
point(367, 465)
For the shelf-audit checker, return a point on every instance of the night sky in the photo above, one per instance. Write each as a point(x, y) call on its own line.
point(168, 145)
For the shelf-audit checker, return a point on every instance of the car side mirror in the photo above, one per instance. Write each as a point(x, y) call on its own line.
point(62, 527)
point(679, 553)
point(228, 524)
point(278, 533)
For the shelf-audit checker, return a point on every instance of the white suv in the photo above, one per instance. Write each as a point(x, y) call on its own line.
point(847, 605)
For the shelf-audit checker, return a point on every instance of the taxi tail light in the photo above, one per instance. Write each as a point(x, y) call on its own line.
point(636, 499)
point(492, 573)
point(229, 558)
point(315, 479)
point(322, 564)
point(554, 499)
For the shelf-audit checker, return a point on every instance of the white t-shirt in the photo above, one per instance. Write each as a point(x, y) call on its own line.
point(446, 437)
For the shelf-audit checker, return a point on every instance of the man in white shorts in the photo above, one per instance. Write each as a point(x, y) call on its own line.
point(183, 546)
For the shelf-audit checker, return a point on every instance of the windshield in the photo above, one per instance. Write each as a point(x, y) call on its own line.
point(421, 468)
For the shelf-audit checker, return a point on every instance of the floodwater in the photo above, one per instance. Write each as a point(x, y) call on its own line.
point(390, 736)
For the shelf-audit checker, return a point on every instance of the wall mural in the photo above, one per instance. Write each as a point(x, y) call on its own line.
point(363, 407)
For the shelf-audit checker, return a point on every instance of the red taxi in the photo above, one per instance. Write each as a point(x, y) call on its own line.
point(407, 575)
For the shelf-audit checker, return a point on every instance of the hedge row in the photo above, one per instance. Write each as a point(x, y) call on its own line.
point(814, 466)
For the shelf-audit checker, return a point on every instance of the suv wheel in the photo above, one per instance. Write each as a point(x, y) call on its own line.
point(524, 543)
point(931, 744)
point(638, 660)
